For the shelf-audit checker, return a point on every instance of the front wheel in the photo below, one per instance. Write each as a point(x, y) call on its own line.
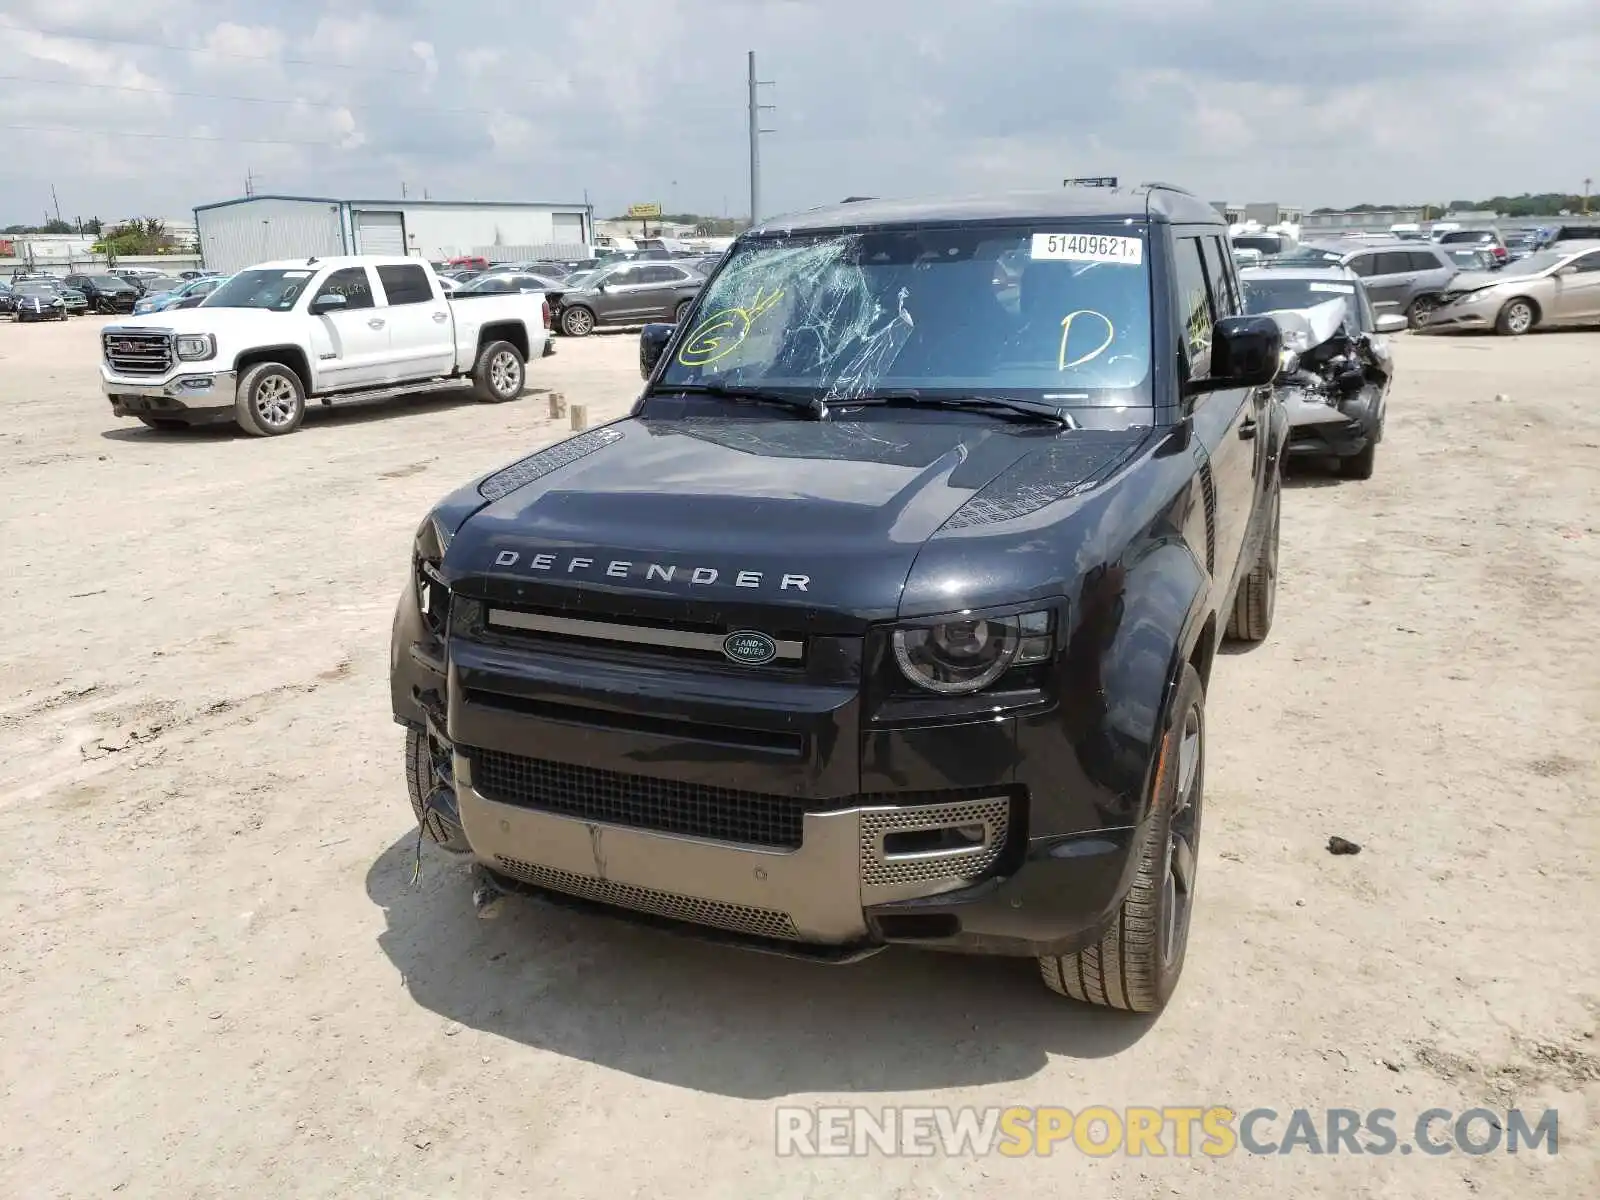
point(1421, 311)
point(1515, 319)
point(429, 773)
point(1360, 466)
point(681, 313)
point(498, 374)
point(270, 401)
point(577, 322)
point(1136, 964)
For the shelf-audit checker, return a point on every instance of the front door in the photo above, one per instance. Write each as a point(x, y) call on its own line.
point(352, 341)
point(1578, 294)
point(623, 299)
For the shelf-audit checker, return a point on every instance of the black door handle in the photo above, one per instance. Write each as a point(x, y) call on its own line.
point(1247, 430)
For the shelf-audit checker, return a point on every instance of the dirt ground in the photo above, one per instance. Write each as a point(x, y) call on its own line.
point(217, 977)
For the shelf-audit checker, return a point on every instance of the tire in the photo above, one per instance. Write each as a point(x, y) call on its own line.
point(422, 775)
point(577, 321)
point(499, 373)
point(270, 401)
point(1419, 312)
point(1136, 964)
point(165, 424)
point(1517, 316)
point(1257, 597)
point(682, 311)
point(1360, 466)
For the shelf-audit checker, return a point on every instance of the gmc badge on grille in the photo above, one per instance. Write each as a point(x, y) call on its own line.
point(749, 648)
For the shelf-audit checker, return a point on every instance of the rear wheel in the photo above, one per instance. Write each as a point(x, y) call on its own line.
point(498, 374)
point(1253, 607)
point(1136, 964)
point(270, 400)
point(577, 321)
point(681, 313)
point(1516, 318)
point(1421, 311)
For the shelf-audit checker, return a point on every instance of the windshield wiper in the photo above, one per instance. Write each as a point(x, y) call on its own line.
point(812, 406)
point(1031, 409)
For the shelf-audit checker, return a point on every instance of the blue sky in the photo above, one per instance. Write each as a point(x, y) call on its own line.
point(643, 100)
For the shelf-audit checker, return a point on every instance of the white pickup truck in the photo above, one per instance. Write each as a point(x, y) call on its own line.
point(328, 329)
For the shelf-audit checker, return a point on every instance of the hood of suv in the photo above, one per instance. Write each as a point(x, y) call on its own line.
point(725, 515)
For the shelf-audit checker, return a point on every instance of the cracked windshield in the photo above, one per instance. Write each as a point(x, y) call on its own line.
point(1057, 315)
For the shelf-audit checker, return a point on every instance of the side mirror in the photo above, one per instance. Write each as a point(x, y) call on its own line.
point(1571, 269)
point(1245, 353)
point(653, 341)
point(327, 302)
point(1391, 323)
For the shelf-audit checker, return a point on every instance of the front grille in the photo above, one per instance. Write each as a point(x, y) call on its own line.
point(138, 353)
point(641, 802)
point(738, 918)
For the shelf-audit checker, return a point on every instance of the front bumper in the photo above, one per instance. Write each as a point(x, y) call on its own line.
point(191, 395)
point(1320, 430)
point(1470, 312)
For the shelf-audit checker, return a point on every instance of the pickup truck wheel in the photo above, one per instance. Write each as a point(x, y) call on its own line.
point(270, 401)
point(1258, 591)
point(428, 767)
point(499, 373)
point(577, 321)
point(1136, 963)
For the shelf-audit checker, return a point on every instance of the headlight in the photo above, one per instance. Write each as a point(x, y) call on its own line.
point(967, 653)
point(192, 347)
point(433, 594)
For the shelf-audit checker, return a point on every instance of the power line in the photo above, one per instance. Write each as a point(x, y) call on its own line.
point(165, 137)
point(117, 87)
point(303, 62)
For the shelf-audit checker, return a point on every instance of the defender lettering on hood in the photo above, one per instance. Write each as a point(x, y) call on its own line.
point(583, 567)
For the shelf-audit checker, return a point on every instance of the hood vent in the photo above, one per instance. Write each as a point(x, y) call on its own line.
point(552, 458)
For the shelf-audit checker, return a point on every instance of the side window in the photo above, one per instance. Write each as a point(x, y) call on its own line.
point(352, 284)
point(1194, 305)
point(1394, 263)
point(1424, 261)
point(659, 275)
point(1588, 263)
point(405, 285)
point(1364, 265)
point(1219, 269)
point(624, 275)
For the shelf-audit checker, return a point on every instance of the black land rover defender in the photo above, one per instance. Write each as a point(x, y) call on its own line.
point(887, 615)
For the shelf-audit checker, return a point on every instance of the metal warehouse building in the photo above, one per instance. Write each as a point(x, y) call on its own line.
point(233, 234)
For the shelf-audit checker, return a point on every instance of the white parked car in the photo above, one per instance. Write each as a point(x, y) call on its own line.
point(277, 335)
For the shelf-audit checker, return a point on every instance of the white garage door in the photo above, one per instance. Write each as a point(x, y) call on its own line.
point(380, 233)
point(568, 227)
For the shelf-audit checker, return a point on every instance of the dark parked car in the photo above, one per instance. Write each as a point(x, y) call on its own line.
point(889, 613)
point(507, 281)
point(36, 300)
point(627, 293)
point(105, 293)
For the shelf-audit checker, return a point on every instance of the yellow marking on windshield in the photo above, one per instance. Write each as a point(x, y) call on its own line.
point(723, 332)
point(1066, 331)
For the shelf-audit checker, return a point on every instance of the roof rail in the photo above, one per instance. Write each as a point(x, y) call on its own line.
point(1167, 187)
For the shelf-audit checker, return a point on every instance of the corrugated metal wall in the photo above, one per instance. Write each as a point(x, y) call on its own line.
point(236, 236)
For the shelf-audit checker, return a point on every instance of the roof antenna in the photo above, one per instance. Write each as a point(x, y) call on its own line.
point(312, 261)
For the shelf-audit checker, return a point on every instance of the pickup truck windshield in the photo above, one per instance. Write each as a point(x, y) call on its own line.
point(275, 289)
point(1045, 312)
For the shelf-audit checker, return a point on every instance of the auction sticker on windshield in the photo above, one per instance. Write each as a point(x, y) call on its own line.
point(1088, 247)
point(1343, 289)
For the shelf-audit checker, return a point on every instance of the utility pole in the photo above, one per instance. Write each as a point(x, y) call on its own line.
point(55, 201)
point(403, 189)
point(1586, 184)
point(249, 183)
point(756, 109)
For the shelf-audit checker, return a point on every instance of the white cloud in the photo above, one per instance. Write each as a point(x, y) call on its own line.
point(1337, 100)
